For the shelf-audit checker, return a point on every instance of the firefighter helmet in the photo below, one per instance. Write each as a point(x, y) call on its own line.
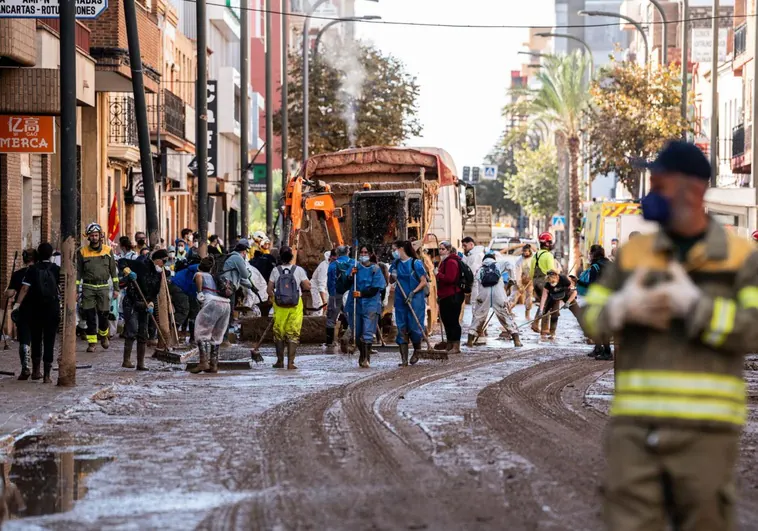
point(259, 236)
point(545, 237)
point(92, 228)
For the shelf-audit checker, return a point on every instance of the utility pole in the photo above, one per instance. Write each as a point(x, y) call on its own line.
point(285, 92)
point(69, 230)
point(244, 118)
point(685, 54)
point(269, 120)
point(201, 126)
point(715, 95)
point(143, 130)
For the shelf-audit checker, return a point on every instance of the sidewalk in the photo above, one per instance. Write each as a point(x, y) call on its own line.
point(25, 405)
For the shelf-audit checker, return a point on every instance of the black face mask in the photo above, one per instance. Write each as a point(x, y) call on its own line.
point(141, 241)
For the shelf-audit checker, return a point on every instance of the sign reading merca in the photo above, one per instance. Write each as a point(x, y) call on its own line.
point(85, 9)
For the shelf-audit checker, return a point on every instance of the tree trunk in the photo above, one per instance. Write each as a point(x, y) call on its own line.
point(576, 210)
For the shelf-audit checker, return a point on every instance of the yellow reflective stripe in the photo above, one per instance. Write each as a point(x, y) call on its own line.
point(115, 280)
point(102, 333)
point(97, 285)
point(91, 339)
point(722, 322)
point(598, 295)
point(78, 282)
point(591, 315)
point(679, 408)
point(677, 383)
point(748, 297)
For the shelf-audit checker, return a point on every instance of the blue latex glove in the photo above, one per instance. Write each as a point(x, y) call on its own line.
point(132, 276)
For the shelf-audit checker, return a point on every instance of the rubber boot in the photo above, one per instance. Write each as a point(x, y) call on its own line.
point(36, 375)
point(291, 350)
point(471, 340)
point(213, 349)
point(598, 350)
point(363, 358)
point(536, 322)
point(25, 355)
point(368, 352)
point(141, 348)
point(128, 345)
point(456, 348)
point(105, 342)
point(279, 355)
point(403, 355)
point(605, 354)
point(91, 347)
point(516, 340)
point(553, 328)
point(330, 337)
point(46, 378)
point(415, 357)
point(203, 364)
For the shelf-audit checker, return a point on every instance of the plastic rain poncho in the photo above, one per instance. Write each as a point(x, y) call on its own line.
point(212, 319)
point(252, 299)
point(474, 260)
point(491, 298)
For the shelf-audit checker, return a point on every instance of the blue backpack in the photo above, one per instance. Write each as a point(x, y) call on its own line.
point(584, 280)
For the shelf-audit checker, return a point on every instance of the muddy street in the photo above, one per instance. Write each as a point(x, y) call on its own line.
point(494, 438)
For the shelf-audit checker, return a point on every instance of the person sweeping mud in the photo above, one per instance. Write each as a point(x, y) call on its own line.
point(682, 305)
point(490, 290)
point(369, 283)
point(542, 262)
point(410, 274)
point(557, 293)
point(211, 320)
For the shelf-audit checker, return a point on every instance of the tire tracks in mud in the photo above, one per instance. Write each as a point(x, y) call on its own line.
point(344, 458)
point(539, 412)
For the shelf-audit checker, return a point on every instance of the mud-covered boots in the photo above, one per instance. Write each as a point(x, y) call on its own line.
point(553, 328)
point(48, 369)
point(456, 347)
point(26, 358)
point(128, 345)
point(362, 362)
point(91, 347)
point(105, 342)
point(536, 322)
point(403, 355)
point(605, 354)
point(36, 365)
point(471, 340)
point(279, 345)
point(329, 337)
point(291, 350)
point(595, 352)
point(415, 357)
point(203, 363)
point(214, 359)
point(141, 348)
point(516, 340)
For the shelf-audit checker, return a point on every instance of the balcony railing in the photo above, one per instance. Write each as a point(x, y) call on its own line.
point(170, 109)
point(738, 141)
point(81, 33)
point(122, 120)
point(740, 39)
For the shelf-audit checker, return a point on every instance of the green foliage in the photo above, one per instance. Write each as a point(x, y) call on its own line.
point(257, 205)
point(534, 186)
point(633, 114)
point(385, 112)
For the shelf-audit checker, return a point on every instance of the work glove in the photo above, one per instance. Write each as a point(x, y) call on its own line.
point(356, 294)
point(639, 305)
point(683, 293)
point(150, 308)
point(132, 276)
point(409, 299)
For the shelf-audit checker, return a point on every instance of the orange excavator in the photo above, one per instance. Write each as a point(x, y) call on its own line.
point(304, 196)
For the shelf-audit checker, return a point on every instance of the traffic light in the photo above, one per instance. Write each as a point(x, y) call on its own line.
point(466, 173)
point(475, 174)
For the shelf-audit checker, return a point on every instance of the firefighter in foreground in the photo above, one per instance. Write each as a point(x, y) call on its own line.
point(96, 268)
point(682, 306)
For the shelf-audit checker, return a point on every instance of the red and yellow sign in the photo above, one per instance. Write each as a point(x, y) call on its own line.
point(27, 134)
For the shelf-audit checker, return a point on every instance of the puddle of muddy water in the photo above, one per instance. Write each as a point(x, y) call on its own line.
point(40, 477)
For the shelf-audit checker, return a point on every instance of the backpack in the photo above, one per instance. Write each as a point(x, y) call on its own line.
point(466, 277)
point(490, 275)
point(344, 281)
point(47, 289)
point(286, 290)
point(584, 280)
point(224, 285)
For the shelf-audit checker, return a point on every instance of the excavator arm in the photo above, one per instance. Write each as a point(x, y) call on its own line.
point(304, 196)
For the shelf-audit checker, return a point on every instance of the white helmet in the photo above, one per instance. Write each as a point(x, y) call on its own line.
point(259, 237)
point(93, 227)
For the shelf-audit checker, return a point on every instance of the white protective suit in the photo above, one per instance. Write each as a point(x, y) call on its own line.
point(491, 298)
point(251, 299)
point(319, 291)
point(474, 260)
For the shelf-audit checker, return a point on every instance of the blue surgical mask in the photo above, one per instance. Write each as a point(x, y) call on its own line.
point(656, 207)
point(506, 276)
point(395, 255)
point(364, 259)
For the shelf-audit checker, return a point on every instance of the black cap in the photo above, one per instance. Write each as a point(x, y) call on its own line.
point(160, 254)
point(680, 157)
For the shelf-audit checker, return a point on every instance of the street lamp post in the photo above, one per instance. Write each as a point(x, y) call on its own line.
point(573, 38)
point(323, 30)
point(630, 20)
point(685, 53)
point(664, 36)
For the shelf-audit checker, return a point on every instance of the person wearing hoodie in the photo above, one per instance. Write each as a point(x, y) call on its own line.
point(490, 288)
point(450, 295)
point(598, 264)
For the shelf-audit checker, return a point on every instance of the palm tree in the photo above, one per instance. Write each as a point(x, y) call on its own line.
point(560, 101)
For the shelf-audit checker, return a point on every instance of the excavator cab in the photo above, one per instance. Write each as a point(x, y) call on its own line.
point(382, 217)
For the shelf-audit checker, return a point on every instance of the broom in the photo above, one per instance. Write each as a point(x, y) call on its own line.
point(430, 353)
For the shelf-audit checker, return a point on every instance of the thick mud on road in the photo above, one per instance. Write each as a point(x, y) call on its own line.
point(495, 438)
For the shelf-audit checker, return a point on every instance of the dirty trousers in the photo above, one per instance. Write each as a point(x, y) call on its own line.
point(482, 313)
point(333, 309)
point(678, 475)
point(211, 320)
point(136, 319)
point(287, 322)
point(96, 305)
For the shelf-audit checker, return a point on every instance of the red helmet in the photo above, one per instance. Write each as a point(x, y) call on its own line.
point(755, 235)
point(546, 237)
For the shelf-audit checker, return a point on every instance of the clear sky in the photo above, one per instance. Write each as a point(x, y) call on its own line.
point(463, 73)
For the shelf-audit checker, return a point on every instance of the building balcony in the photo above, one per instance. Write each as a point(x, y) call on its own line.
point(17, 42)
point(169, 109)
point(123, 141)
point(81, 35)
point(740, 48)
point(740, 152)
